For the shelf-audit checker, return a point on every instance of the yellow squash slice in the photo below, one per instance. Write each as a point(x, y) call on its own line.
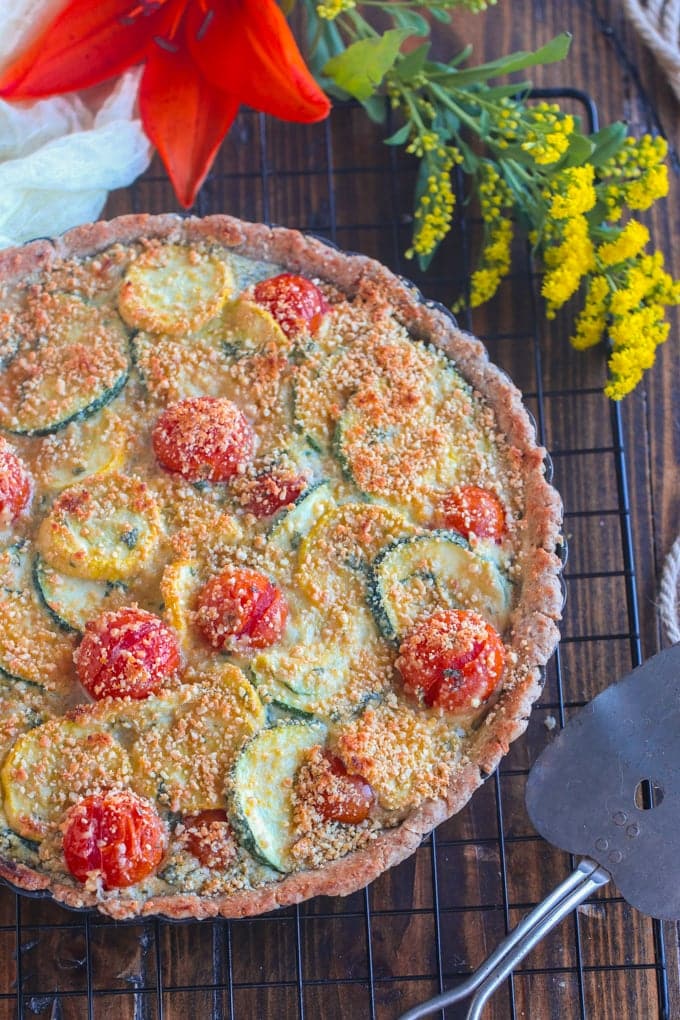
point(334, 557)
point(56, 764)
point(106, 530)
point(175, 289)
point(183, 760)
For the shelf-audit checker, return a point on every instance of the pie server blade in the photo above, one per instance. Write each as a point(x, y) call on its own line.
point(607, 787)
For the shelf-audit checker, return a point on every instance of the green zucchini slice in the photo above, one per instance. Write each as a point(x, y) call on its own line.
point(80, 364)
point(334, 557)
point(261, 805)
point(32, 647)
point(83, 449)
point(289, 530)
point(314, 673)
point(413, 576)
point(396, 440)
point(72, 601)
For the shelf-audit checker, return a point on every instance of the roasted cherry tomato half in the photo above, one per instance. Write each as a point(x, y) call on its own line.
point(126, 653)
point(241, 608)
point(453, 660)
point(209, 837)
point(15, 484)
point(204, 439)
point(296, 303)
point(342, 797)
point(265, 494)
point(471, 510)
point(117, 836)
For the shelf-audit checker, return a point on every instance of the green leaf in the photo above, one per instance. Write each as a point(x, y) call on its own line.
point(441, 15)
point(471, 160)
point(412, 63)
point(553, 51)
point(579, 152)
point(400, 136)
point(445, 123)
point(607, 142)
point(415, 23)
point(375, 108)
point(361, 68)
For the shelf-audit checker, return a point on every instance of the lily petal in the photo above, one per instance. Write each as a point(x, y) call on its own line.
point(88, 42)
point(246, 48)
point(184, 115)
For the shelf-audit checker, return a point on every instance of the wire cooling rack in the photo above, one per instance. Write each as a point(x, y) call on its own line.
point(430, 921)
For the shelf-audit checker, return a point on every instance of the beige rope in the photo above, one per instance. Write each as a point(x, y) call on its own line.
point(658, 23)
point(669, 594)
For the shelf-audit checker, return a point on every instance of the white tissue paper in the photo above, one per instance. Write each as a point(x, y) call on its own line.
point(60, 157)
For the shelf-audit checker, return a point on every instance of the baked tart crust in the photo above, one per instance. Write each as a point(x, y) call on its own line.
point(530, 630)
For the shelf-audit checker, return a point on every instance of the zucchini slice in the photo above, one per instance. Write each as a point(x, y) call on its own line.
point(72, 601)
point(174, 368)
point(106, 530)
point(173, 288)
point(22, 707)
point(414, 576)
point(82, 449)
point(320, 387)
point(289, 530)
point(32, 647)
point(327, 676)
point(55, 764)
point(183, 759)
point(247, 272)
point(335, 556)
point(84, 345)
point(395, 438)
point(405, 752)
point(261, 805)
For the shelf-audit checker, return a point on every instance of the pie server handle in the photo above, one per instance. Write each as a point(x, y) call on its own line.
point(583, 881)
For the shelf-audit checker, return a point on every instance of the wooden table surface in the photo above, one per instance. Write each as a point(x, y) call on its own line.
point(438, 915)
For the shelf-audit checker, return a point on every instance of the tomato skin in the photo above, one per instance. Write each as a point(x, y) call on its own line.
point(343, 797)
point(119, 835)
point(296, 303)
point(126, 653)
point(241, 608)
point(453, 660)
point(471, 510)
point(204, 439)
point(210, 838)
point(15, 484)
point(270, 492)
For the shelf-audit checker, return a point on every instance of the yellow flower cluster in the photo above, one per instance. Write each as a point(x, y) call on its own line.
point(629, 243)
point(591, 321)
point(548, 134)
point(495, 198)
point(627, 299)
point(332, 8)
point(567, 262)
point(636, 176)
point(434, 212)
point(572, 192)
point(638, 326)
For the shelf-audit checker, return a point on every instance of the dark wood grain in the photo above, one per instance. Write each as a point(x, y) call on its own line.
point(486, 866)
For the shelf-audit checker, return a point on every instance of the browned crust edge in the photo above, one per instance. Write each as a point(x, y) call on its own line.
point(534, 627)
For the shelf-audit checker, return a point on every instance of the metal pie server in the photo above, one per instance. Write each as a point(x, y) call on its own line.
point(608, 787)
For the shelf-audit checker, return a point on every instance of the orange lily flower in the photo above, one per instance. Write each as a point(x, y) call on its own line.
point(202, 59)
